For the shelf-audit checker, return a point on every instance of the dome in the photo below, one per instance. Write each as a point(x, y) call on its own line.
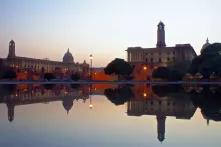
point(67, 104)
point(68, 58)
point(205, 45)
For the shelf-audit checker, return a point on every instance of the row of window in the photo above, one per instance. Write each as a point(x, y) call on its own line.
point(159, 60)
point(168, 53)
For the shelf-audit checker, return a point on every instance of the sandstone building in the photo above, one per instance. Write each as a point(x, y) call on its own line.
point(161, 55)
point(43, 65)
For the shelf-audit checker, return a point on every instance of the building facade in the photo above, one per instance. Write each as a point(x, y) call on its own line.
point(161, 55)
point(43, 65)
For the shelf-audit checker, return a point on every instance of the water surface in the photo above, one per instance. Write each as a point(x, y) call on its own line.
point(109, 115)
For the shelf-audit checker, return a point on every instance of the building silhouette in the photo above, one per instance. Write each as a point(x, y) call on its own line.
point(161, 35)
point(161, 55)
point(205, 45)
point(43, 65)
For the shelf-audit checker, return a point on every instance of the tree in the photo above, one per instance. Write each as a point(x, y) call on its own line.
point(209, 62)
point(49, 86)
point(119, 95)
point(9, 74)
point(161, 73)
point(49, 76)
point(194, 68)
point(213, 49)
point(166, 73)
point(75, 76)
point(181, 67)
point(119, 67)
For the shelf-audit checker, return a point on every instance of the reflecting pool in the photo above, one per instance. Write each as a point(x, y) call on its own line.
point(105, 115)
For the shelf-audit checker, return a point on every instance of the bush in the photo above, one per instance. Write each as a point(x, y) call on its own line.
point(165, 73)
point(208, 62)
point(119, 95)
point(9, 74)
point(49, 76)
point(75, 76)
point(161, 73)
point(119, 67)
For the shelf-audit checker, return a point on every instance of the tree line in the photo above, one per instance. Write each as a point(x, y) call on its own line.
point(207, 64)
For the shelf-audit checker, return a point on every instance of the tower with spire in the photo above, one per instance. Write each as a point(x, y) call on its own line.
point(11, 53)
point(160, 35)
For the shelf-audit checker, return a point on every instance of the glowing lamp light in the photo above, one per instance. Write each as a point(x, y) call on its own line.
point(91, 57)
point(144, 68)
point(145, 94)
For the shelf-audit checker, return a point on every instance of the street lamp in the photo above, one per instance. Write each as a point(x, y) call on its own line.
point(91, 59)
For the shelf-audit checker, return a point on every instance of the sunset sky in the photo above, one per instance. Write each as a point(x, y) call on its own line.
point(104, 28)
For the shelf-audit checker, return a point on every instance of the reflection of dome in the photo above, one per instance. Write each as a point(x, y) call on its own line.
point(68, 58)
point(68, 104)
point(205, 45)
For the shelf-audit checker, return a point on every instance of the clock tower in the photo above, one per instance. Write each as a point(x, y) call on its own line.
point(161, 35)
point(11, 53)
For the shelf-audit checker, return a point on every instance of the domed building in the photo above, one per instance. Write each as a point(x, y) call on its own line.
point(205, 45)
point(67, 103)
point(68, 58)
point(41, 66)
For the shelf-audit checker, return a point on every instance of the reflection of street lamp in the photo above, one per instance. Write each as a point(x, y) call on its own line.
point(91, 58)
point(91, 105)
point(90, 93)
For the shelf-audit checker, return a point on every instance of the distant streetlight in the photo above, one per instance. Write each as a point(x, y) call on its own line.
point(91, 59)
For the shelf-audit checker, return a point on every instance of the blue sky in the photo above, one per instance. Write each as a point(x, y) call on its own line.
point(105, 28)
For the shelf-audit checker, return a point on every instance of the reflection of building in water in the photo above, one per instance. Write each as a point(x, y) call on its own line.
point(162, 107)
point(38, 94)
point(11, 108)
point(161, 127)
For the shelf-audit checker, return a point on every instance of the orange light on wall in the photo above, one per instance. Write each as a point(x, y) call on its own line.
point(145, 94)
point(144, 68)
